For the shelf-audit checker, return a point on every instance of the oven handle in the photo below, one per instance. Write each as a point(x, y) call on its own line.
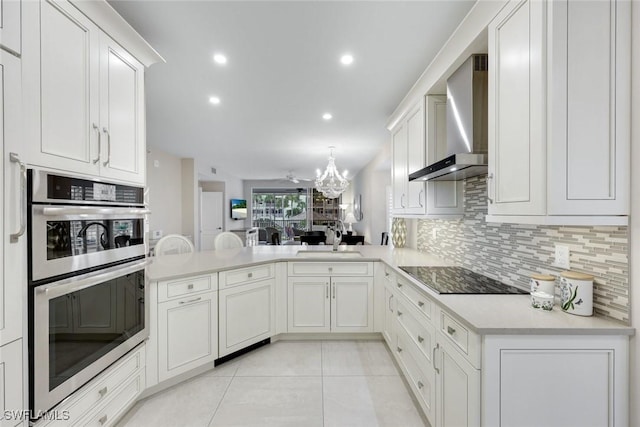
point(75, 284)
point(90, 210)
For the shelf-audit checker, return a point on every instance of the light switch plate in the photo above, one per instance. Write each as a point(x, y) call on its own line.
point(562, 256)
point(157, 234)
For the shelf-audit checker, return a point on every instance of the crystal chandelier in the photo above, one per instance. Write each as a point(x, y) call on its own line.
point(331, 184)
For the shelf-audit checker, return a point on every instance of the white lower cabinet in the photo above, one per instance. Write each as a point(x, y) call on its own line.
point(187, 333)
point(247, 315)
point(570, 381)
point(11, 392)
point(457, 387)
point(336, 304)
point(106, 398)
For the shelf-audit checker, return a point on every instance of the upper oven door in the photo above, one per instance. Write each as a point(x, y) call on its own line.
point(70, 239)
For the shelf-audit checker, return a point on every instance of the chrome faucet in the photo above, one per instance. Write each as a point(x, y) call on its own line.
point(337, 234)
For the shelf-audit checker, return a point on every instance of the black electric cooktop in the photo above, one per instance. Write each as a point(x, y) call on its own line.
point(458, 280)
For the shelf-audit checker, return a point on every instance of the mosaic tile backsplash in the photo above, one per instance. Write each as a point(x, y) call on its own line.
point(511, 252)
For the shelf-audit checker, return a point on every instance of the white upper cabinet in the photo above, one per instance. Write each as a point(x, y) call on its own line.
point(517, 179)
point(84, 96)
point(443, 197)
point(407, 140)
point(121, 113)
point(415, 200)
point(589, 107)
point(400, 177)
point(10, 25)
point(559, 108)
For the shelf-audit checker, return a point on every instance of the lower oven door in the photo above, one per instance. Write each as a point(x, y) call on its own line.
point(80, 326)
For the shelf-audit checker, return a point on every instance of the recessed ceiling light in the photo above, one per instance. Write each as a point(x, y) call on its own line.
point(214, 100)
point(327, 116)
point(346, 59)
point(220, 59)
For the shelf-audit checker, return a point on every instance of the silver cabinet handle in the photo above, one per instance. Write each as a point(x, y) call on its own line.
point(15, 158)
point(106, 131)
point(489, 177)
point(420, 304)
point(450, 330)
point(102, 392)
point(420, 339)
point(102, 420)
point(334, 291)
point(390, 298)
point(250, 275)
point(399, 349)
point(399, 313)
point(190, 286)
point(399, 284)
point(420, 198)
point(330, 269)
point(327, 288)
point(190, 301)
point(433, 358)
point(420, 385)
point(402, 201)
point(96, 128)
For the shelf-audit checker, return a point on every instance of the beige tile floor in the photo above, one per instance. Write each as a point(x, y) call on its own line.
point(289, 383)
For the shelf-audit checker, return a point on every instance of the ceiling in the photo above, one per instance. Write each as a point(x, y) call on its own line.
point(283, 73)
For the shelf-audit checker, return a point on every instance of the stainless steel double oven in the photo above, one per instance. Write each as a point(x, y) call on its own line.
point(87, 288)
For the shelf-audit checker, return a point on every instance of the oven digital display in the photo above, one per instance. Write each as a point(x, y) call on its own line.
point(104, 192)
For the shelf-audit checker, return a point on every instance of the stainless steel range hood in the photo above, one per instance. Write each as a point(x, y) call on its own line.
point(467, 108)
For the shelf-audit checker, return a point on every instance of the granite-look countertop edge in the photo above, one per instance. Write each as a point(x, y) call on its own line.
point(483, 314)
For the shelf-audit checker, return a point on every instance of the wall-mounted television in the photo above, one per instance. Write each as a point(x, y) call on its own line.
point(238, 209)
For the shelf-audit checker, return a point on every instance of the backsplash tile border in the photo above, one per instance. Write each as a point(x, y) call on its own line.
point(511, 252)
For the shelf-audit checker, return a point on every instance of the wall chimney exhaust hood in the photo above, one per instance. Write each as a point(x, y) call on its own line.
point(467, 108)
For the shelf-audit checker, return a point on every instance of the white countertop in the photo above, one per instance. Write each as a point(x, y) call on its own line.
point(485, 314)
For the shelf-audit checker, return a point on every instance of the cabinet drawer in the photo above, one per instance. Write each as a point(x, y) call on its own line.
point(419, 373)
point(168, 290)
point(463, 339)
point(242, 276)
point(330, 268)
point(419, 330)
point(113, 409)
point(103, 388)
point(416, 297)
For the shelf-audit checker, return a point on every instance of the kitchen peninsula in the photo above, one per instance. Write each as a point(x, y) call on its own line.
point(443, 343)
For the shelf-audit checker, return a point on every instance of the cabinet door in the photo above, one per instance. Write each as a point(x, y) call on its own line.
point(517, 149)
point(122, 128)
point(352, 304)
point(388, 331)
point(309, 306)
point(443, 197)
point(416, 199)
point(12, 253)
point(11, 391)
point(10, 24)
point(187, 334)
point(589, 108)
point(61, 71)
point(247, 315)
point(457, 389)
point(399, 174)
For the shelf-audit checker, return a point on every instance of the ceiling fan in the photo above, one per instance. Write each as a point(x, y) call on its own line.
point(291, 177)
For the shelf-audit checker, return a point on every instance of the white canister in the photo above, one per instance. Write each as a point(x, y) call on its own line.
point(543, 283)
point(576, 293)
point(542, 301)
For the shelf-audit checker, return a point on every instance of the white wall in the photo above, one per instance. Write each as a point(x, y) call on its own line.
point(634, 250)
point(233, 189)
point(371, 183)
point(164, 178)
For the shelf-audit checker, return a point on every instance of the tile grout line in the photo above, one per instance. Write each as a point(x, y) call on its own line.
point(215, 411)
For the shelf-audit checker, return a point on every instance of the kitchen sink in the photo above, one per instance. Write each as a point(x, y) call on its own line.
point(328, 254)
